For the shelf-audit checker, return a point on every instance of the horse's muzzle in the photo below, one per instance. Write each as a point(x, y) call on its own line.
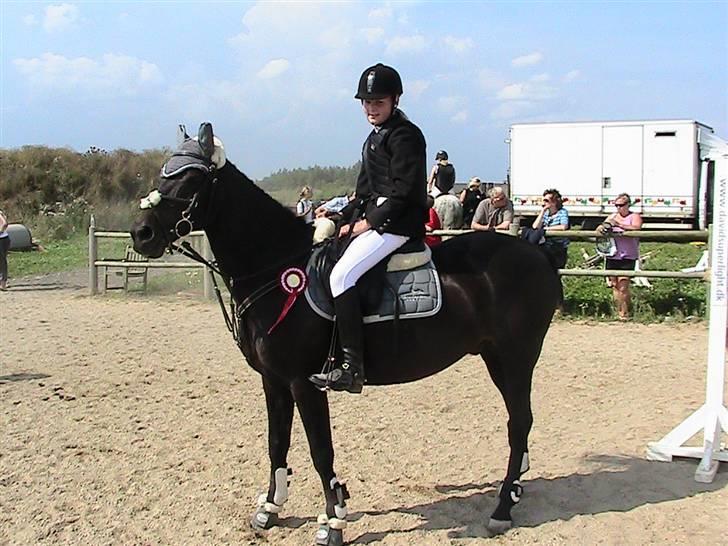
point(147, 240)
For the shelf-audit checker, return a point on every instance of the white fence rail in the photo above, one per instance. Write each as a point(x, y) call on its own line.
point(96, 266)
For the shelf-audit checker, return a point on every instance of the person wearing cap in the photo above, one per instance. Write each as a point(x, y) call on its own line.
point(442, 175)
point(389, 209)
point(470, 198)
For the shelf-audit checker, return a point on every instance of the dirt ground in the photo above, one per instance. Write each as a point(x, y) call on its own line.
point(128, 420)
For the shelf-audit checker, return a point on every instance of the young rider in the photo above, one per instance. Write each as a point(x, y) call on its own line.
point(390, 208)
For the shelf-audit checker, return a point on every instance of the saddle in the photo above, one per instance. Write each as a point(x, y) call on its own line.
point(403, 286)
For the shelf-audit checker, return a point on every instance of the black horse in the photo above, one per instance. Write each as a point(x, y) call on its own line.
point(499, 295)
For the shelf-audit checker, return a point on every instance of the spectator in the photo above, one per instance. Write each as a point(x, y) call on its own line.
point(470, 198)
point(304, 207)
point(333, 206)
point(627, 250)
point(449, 211)
point(554, 217)
point(432, 224)
point(4, 247)
point(442, 176)
point(493, 213)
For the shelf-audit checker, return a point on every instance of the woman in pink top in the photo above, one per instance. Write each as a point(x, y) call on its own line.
point(627, 253)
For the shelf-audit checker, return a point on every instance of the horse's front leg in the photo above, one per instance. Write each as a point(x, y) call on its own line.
point(279, 402)
point(313, 407)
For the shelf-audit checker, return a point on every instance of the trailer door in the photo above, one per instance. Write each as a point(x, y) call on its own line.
point(622, 157)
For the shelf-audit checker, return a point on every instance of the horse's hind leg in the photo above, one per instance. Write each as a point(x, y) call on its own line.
point(512, 375)
point(279, 402)
point(313, 406)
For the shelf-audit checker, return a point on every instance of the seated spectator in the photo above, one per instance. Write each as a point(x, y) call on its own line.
point(449, 211)
point(432, 224)
point(333, 206)
point(493, 213)
point(553, 217)
point(470, 198)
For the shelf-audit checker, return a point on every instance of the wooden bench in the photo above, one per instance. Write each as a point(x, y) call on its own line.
point(128, 272)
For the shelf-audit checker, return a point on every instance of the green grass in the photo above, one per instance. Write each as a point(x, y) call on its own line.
point(62, 255)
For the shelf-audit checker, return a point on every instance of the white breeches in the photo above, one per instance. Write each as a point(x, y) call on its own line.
point(364, 252)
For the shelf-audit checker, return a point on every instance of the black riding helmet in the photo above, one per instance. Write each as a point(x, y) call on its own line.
point(377, 82)
point(441, 155)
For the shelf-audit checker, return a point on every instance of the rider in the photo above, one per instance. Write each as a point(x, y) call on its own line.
point(390, 208)
point(442, 176)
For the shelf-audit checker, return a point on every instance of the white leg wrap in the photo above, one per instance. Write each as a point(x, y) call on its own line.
point(336, 523)
point(525, 463)
point(515, 497)
point(333, 523)
point(281, 493)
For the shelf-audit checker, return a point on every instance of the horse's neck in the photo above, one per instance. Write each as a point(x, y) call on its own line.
point(250, 232)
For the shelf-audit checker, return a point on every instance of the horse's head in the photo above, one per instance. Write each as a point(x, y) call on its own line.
point(181, 202)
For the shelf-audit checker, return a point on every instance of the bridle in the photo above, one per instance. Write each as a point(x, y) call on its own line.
point(188, 223)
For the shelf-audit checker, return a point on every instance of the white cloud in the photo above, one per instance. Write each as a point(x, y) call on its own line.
point(571, 75)
point(415, 88)
point(460, 117)
point(384, 12)
point(458, 45)
point(29, 20)
point(450, 103)
point(511, 109)
point(512, 91)
point(406, 44)
point(527, 60)
point(273, 68)
point(60, 17)
point(372, 34)
point(526, 91)
point(113, 73)
point(540, 78)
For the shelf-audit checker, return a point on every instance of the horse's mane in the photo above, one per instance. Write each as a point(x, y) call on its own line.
point(251, 231)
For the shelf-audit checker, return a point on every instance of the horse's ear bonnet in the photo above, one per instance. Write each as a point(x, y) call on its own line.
point(201, 152)
point(188, 156)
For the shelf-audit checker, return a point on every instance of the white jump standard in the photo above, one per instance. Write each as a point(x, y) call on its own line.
point(712, 416)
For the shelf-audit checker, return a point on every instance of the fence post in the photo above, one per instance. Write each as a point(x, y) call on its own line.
point(93, 280)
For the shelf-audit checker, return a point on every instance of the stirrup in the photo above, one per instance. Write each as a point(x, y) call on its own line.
point(339, 379)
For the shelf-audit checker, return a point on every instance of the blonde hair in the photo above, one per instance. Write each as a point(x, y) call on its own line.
point(306, 191)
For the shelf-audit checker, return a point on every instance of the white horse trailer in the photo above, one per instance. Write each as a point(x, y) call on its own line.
point(663, 165)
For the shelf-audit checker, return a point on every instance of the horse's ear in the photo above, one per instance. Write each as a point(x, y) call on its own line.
point(181, 134)
point(205, 139)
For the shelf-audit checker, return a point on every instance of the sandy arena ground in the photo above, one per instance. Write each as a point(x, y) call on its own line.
point(128, 421)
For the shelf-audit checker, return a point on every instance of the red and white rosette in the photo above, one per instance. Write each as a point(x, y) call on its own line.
point(293, 281)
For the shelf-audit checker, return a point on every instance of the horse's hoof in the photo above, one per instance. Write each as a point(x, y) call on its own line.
point(326, 536)
point(498, 526)
point(262, 520)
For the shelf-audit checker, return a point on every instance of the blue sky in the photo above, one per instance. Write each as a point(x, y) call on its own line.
point(277, 79)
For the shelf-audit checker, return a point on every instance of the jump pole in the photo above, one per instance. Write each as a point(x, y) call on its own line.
point(712, 416)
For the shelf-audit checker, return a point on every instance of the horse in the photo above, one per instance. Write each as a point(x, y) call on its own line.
point(499, 296)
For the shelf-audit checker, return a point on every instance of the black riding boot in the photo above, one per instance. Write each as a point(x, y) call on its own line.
point(350, 375)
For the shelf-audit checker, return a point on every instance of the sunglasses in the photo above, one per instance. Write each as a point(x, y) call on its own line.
point(621, 204)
